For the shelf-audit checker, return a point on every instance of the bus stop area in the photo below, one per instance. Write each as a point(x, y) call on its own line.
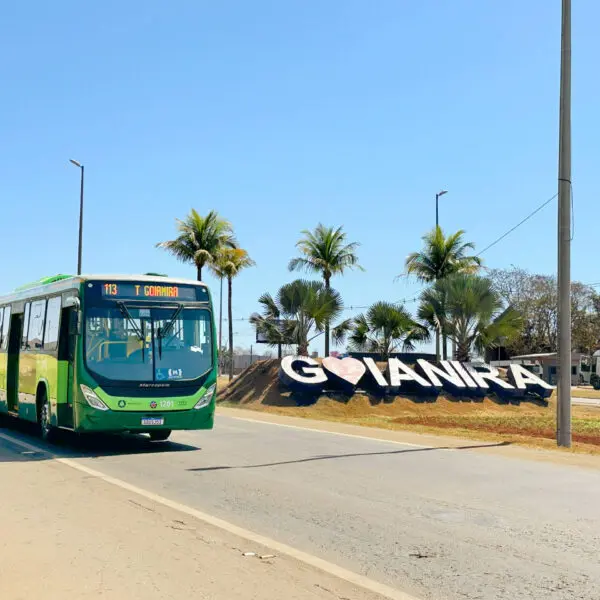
point(66, 534)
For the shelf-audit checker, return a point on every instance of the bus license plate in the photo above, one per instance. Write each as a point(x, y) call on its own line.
point(153, 421)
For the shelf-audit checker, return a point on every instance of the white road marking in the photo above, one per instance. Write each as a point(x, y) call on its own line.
point(352, 435)
point(309, 559)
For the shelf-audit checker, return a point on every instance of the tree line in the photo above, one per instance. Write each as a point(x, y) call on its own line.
point(458, 305)
point(535, 298)
point(463, 304)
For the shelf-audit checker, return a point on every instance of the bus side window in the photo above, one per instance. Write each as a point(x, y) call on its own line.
point(36, 324)
point(52, 321)
point(24, 345)
point(5, 326)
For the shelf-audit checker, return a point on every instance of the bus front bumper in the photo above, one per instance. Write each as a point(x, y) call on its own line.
point(111, 421)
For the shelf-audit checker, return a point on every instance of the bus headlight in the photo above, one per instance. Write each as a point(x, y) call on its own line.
point(92, 398)
point(208, 396)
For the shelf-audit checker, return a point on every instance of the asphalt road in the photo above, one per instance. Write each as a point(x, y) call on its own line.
point(440, 524)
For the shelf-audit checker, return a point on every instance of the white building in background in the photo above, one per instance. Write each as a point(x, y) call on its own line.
point(546, 364)
point(531, 365)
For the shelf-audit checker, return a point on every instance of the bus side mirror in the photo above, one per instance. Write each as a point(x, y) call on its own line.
point(74, 323)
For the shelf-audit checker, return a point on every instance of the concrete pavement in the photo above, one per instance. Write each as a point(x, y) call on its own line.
point(585, 401)
point(439, 523)
point(66, 535)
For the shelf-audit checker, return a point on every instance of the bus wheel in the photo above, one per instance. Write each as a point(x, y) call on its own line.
point(47, 429)
point(160, 436)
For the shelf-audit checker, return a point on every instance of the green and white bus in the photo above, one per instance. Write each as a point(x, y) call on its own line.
point(109, 354)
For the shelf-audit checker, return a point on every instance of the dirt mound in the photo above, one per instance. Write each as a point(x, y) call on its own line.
point(258, 384)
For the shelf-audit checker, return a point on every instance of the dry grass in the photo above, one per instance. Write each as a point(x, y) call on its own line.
point(527, 423)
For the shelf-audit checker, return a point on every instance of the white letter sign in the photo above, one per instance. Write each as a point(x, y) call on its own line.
point(309, 375)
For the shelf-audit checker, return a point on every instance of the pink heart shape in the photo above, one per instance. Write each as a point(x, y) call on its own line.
point(348, 369)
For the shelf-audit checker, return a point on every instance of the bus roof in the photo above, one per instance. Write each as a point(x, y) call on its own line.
point(59, 283)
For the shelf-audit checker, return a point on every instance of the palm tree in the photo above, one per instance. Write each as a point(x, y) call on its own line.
point(433, 312)
point(325, 251)
point(384, 328)
point(227, 265)
point(269, 323)
point(200, 239)
point(475, 318)
point(299, 313)
point(442, 256)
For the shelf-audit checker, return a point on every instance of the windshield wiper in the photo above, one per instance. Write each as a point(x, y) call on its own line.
point(163, 333)
point(139, 332)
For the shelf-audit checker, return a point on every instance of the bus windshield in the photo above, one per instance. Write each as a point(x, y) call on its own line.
point(152, 344)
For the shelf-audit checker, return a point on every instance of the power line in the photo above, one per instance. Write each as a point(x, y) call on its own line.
point(411, 299)
point(416, 297)
point(496, 241)
point(518, 224)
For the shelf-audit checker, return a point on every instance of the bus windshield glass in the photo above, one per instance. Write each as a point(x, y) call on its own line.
point(157, 344)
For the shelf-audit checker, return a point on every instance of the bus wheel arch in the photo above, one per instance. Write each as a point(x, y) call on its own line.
point(42, 402)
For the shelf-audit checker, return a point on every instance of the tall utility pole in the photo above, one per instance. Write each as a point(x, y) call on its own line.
point(563, 411)
point(80, 245)
point(437, 210)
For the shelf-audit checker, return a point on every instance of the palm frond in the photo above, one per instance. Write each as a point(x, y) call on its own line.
point(385, 327)
point(200, 239)
point(341, 331)
point(303, 308)
point(229, 262)
point(271, 309)
point(469, 310)
point(325, 251)
point(442, 256)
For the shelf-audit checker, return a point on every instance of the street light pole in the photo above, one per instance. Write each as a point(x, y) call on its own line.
point(437, 333)
point(563, 409)
point(80, 245)
point(437, 211)
point(221, 317)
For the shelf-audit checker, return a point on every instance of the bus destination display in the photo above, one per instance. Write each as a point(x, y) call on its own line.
point(150, 291)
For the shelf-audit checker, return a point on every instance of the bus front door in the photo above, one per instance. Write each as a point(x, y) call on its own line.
point(12, 370)
point(66, 358)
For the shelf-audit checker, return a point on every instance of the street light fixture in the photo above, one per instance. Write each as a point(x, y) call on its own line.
point(437, 197)
point(79, 248)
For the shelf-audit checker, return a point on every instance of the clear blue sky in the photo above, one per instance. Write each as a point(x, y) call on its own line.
point(281, 114)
